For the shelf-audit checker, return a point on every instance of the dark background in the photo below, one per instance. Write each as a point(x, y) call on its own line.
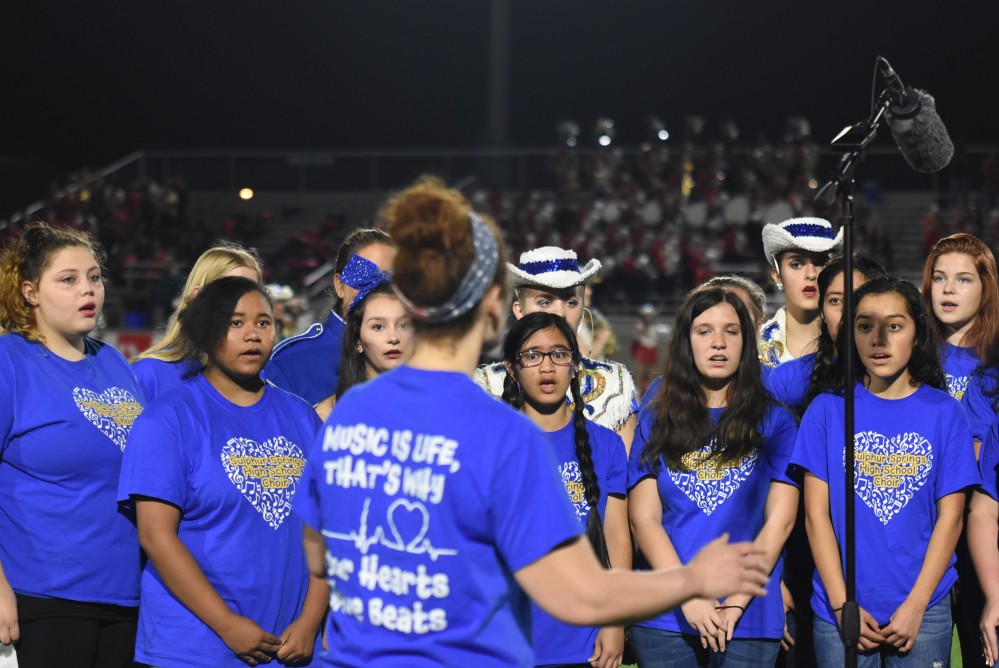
point(85, 83)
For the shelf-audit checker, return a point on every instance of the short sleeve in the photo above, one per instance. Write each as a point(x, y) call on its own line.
point(306, 503)
point(643, 431)
point(781, 432)
point(613, 451)
point(532, 514)
point(146, 377)
point(978, 406)
point(154, 463)
point(811, 443)
point(958, 469)
point(988, 461)
point(777, 383)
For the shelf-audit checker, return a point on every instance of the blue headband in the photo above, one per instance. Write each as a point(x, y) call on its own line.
point(810, 230)
point(473, 286)
point(545, 266)
point(363, 275)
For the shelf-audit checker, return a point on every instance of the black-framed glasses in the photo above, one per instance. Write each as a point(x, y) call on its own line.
point(532, 358)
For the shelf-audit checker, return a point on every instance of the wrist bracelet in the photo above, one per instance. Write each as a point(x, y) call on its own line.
point(727, 607)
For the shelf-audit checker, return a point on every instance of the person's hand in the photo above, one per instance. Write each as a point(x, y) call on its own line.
point(608, 649)
point(903, 627)
point(701, 613)
point(722, 570)
point(870, 630)
point(787, 642)
point(297, 642)
point(730, 614)
point(990, 620)
point(10, 632)
point(248, 641)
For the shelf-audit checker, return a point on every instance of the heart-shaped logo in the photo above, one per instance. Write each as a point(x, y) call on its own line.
point(266, 474)
point(957, 385)
point(408, 522)
point(889, 471)
point(572, 478)
point(113, 411)
point(708, 482)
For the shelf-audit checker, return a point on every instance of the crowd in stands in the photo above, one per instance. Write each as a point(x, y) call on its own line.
point(661, 220)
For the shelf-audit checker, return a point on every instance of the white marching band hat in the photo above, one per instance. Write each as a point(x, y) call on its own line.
point(551, 267)
point(809, 234)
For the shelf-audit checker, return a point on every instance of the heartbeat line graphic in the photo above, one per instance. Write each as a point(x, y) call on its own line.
point(415, 543)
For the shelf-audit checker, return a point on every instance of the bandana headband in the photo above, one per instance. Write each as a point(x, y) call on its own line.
point(474, 283)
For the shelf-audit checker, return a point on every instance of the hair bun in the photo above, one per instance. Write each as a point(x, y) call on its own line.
point(429, 223)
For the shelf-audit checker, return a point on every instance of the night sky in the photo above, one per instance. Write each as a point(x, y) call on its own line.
point(86, 83)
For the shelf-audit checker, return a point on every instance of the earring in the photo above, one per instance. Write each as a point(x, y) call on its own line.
point(360, 349)
point(780, 286)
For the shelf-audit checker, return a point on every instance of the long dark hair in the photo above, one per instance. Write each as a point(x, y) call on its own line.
point(519, 333)
point(924, 365)
point(353, 369)
point(682, 418)
point(825, 374)
point(205, 322)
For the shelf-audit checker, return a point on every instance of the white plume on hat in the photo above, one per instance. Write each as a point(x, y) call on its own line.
point(551, 267)
point(810, 234)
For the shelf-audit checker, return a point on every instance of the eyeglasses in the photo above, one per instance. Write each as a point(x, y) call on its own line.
point(532, 358)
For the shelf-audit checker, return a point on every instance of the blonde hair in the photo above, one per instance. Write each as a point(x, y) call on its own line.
point(213, 264)
point(25, 259)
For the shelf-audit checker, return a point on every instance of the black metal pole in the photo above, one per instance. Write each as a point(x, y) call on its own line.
point(854, 140)
point(850, 626)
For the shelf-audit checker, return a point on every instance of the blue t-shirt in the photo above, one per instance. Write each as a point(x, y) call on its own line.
point(978, 402)
point(431, 495)
point(710, 498)
point(309, 364)
point(788, 383)
point(64, 426)
point(158, 377)
point(958, 365)
point(555, 641)
point(988, 461)
point(910, 453)
point(233, 472)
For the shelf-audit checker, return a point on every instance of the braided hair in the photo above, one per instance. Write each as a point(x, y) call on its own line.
point(519, 333)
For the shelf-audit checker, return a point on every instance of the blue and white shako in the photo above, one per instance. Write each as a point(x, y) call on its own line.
point(810, 234)
point(551, 267)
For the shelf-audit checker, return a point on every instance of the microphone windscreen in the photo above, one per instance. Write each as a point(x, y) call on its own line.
point(923, 139)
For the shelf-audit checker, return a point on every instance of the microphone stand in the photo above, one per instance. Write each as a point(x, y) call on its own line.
point(853, 142)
